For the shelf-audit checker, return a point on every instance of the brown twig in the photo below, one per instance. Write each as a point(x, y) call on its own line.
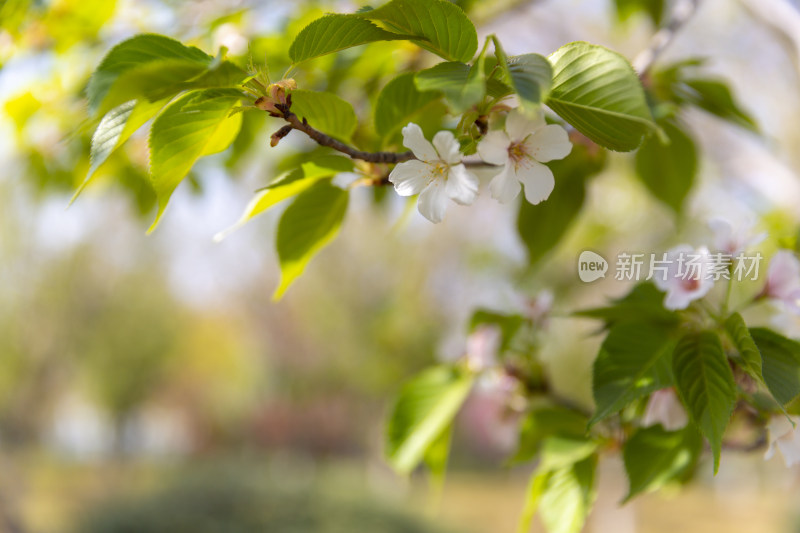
point(326, 140)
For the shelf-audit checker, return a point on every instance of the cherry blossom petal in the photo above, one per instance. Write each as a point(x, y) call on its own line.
point(447, 146)
point(722, 230)
point(493, 148)
point(410, 177)
point(538, 181)
point(432, 202)
point(548, 143)
point(664, 408)
point(461, 185)
point(505, 186)
point(415, 140)
point(677, 299)
point(786, 438)
point(783, 275)
point(519, 125)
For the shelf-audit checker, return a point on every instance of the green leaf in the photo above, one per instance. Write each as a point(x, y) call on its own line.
point(308, 224)
point(562, 484)
point(706, 386)
point(449, 32)
point(437, 454)
point(668, 169)
point(336, 32)
point(114, 129)
point(325, 112)
point(654, 457)
point(569, 496)
point(543, 226)
point(463, 86)
point(165, 78)
point(745, 345)
point(780, 363)
point(135, 52)
point(195, 125)
point(634, 361)
point(544, 423)
point(529, 75)
point(643, 303)
point(716, 98)
point(398, 102)
point(290, 184)
point(597, 91)
point(652, 8)
point(424, 409)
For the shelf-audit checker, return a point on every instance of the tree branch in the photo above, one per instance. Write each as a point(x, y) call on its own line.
point(681, 14)
point(327, 140)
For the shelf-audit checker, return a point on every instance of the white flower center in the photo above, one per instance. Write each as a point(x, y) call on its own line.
point(518, 154)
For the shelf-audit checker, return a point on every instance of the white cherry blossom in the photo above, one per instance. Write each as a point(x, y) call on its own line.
point(733, 240)
point(784, 437)
point(525, 144)
point(783, 279)
point(665, 408)
point(437, 175)
point(685, 277)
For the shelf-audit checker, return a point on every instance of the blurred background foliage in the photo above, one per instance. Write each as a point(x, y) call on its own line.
point(127, 361)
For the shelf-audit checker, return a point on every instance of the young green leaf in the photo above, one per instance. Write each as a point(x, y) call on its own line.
point(135, 52)
point(325, 112)
point(424, 409)
point(597, 91)
point(114, 129)
point(335, 32)
point(437, 454)
point(308, 225)
point(668, 169)
point(569, 496)
point(398, 102)
point(195, 125)
point(463, 86)
point(643, 303)
point(716, 98)
point(448, 31)
point(745, 345)
point(654, 457)
point(529, 75)
point(652, 8)
point(563, 484)
point(634, 361)
point(288, 185)
point(543, 226)
point(705, 383)
point(780, 363)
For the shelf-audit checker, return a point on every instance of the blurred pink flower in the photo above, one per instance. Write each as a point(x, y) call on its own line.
point(685, 277)
point(665, 408)
point(482, 347)
point(783, 280)
point(730, 240)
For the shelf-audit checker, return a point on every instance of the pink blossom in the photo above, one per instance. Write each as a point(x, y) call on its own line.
point(783, 280)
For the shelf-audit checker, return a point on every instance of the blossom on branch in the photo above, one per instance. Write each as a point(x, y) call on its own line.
point(437, 175)
point(525, 144)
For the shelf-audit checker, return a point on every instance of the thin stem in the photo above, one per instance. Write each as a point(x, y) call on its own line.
point(681, 14)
